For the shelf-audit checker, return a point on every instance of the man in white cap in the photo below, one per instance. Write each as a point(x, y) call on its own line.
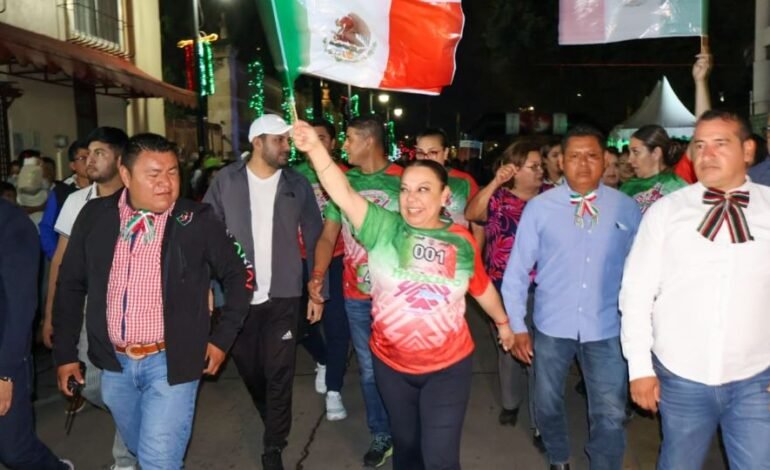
point(264, 204)
point(31, 190)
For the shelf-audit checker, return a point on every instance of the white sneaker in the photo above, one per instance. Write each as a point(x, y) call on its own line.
point(335, 410)
point(320, 379)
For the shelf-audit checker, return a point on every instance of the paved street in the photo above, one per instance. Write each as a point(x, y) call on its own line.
point(227, 431)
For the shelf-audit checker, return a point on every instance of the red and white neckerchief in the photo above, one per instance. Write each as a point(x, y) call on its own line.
point(584, 205)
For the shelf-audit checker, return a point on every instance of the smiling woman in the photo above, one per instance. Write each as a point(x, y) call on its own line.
point(421, 267)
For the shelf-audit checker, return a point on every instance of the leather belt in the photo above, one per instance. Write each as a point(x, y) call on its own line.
point(140, 351)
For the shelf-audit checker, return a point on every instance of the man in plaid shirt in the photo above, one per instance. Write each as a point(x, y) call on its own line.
point(145, 259)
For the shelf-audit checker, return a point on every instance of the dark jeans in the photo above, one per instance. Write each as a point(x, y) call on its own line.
point(19, 446)
point(691, 412)
point(334, 353)
point(426, 414)
point(265, 354)
point(360, 319)
point(606, 378)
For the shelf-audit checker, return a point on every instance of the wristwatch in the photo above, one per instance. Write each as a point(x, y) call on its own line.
point(6, 379)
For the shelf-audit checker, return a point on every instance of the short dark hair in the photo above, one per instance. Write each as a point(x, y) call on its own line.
point(434, 132)
point(326, 125)
point(74, 147)
point(112, 136)
point(372, 125)
point(6, 187)
point(434, 166)
point(146, 142)
point(583, 130)
point(49, 161)
point(744, 130)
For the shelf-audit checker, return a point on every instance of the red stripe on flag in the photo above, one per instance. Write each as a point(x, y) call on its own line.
point(581, 22)
point(423, 40)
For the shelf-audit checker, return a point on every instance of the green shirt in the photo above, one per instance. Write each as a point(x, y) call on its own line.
point(419, 278)
point(645, 191)
point(382, 188)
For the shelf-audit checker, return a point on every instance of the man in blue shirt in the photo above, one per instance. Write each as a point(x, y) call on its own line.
point(760, 173)
point(577, 235)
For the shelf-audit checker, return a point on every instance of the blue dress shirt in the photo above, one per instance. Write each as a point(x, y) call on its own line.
point(760, 173)
point(578, 269)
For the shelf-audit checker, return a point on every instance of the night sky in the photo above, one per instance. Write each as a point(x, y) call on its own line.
point(509, 58)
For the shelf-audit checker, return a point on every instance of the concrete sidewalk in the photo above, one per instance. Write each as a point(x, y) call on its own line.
point(227, 431)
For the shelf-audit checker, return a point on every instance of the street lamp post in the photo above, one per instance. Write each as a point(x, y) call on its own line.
point(200, 114)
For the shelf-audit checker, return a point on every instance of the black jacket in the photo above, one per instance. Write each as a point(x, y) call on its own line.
point(195, 247)
point(19, 255)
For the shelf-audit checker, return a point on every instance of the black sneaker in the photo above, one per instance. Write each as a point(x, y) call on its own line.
point(379, 450)
point(271, 459)
point(508, 416)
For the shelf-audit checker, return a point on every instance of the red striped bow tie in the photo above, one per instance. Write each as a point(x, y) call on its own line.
point(726, 207)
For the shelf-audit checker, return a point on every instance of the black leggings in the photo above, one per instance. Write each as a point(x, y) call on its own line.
point(426, 414)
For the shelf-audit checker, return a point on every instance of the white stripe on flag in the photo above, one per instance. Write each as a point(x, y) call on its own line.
point(328, 60)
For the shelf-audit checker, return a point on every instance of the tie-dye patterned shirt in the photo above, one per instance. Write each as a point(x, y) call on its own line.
point(419, 281)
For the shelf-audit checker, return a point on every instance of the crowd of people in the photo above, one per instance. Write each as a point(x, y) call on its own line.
point(641, 264)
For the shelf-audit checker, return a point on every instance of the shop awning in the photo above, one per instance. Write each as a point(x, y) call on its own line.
point(32, 55)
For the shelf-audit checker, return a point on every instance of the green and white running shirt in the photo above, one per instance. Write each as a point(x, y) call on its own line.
point(419, 278)
point(463, 188)
point(382, 188)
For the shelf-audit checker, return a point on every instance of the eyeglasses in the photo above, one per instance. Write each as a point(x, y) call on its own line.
point(80, 159)
point(535, 168)
point(430, 153)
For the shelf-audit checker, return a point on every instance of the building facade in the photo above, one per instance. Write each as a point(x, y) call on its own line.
point(67, 66)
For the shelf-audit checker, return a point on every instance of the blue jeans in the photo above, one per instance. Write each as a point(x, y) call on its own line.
point(360, 319)
point(332, 348)
point(154, 418)
point(606, 377)
point(93, 393)
point(691, 412)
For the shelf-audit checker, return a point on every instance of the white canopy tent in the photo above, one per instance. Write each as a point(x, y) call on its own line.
point(661, 107)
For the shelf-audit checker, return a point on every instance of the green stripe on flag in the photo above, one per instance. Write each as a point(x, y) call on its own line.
point(286, 27)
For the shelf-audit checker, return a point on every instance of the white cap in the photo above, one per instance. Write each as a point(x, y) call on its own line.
point(271, 124)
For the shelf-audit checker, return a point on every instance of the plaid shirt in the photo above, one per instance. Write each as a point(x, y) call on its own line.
point(134, 292)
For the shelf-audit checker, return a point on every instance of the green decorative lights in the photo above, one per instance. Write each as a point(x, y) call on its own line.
point(206, 68)
point(257, 86)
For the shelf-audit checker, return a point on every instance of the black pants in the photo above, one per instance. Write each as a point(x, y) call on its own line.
point(19, 446)
point(265, 354)
point(426, 414)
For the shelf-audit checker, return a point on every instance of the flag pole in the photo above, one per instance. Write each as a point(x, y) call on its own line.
point(704, 38)
point(291, 101)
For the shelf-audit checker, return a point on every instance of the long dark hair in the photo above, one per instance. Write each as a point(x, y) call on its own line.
point(654, 136)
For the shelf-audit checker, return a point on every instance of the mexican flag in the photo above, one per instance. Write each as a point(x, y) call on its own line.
point(404, 45)
point(602, 21)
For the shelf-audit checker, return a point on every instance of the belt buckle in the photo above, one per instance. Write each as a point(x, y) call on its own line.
point(134, 355)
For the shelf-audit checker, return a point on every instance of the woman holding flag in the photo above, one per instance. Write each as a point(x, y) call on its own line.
point(421, 266)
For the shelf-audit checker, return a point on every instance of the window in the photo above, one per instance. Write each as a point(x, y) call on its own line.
point(98, 23)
